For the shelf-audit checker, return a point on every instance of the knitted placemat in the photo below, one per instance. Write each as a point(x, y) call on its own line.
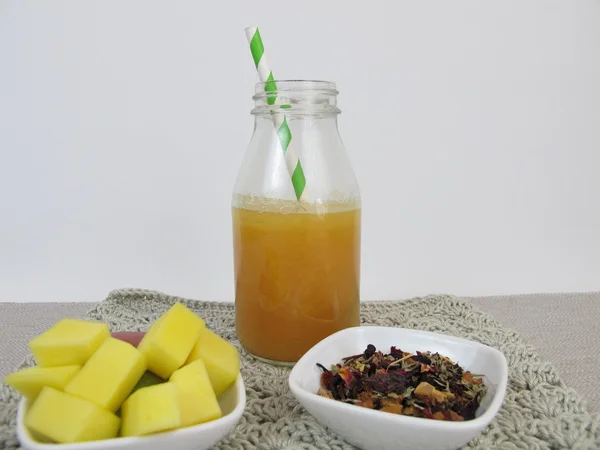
point(539, 411)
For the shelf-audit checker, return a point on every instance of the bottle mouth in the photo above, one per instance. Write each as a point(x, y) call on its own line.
point(295, 97)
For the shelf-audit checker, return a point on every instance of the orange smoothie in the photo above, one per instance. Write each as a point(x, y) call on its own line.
point(297, 277)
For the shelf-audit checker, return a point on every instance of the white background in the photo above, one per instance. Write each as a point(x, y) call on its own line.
point(473, 127)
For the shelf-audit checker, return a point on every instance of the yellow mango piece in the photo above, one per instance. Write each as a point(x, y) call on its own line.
point(169, 341)
point(64, 418)
point(197, 400)
point(68, 342)
point(220, 357)
point(110, 374)
point(32, 380)
point(150, 410)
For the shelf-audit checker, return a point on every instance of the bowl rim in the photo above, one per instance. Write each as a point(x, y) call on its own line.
point(479, 422)
point(24, 435)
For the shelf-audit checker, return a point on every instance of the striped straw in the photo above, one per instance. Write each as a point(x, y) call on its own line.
point(284, 133)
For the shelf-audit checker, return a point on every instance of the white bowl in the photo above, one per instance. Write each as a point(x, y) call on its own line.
point(372, 429)
point(199, 437)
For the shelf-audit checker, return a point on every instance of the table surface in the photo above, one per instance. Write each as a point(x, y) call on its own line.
point(565, 329)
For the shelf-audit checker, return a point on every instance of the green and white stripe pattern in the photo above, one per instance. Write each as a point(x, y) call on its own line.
point(265, 75)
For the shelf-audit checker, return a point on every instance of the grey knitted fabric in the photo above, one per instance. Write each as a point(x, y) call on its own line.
point(539, 411)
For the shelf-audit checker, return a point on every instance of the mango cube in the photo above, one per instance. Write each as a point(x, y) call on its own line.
point(169, 341)
point(64, 418)
point(220, 357)
point(68, 342)
point(110, 374)
point(32, 380)
point(150, 410)
point(197, 400)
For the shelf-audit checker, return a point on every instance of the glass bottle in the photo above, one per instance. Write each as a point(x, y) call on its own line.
point(296, 257)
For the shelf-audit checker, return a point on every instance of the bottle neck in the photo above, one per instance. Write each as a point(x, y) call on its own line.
point(296, 99)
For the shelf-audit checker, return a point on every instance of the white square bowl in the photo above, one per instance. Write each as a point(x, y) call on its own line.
point(198, 437)
point(372, 429)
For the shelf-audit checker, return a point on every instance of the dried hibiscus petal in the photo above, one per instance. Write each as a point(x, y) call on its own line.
point(420, 358)
point(387, 382)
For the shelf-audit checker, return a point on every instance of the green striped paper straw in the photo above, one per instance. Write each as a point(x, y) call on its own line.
point(284, 133)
